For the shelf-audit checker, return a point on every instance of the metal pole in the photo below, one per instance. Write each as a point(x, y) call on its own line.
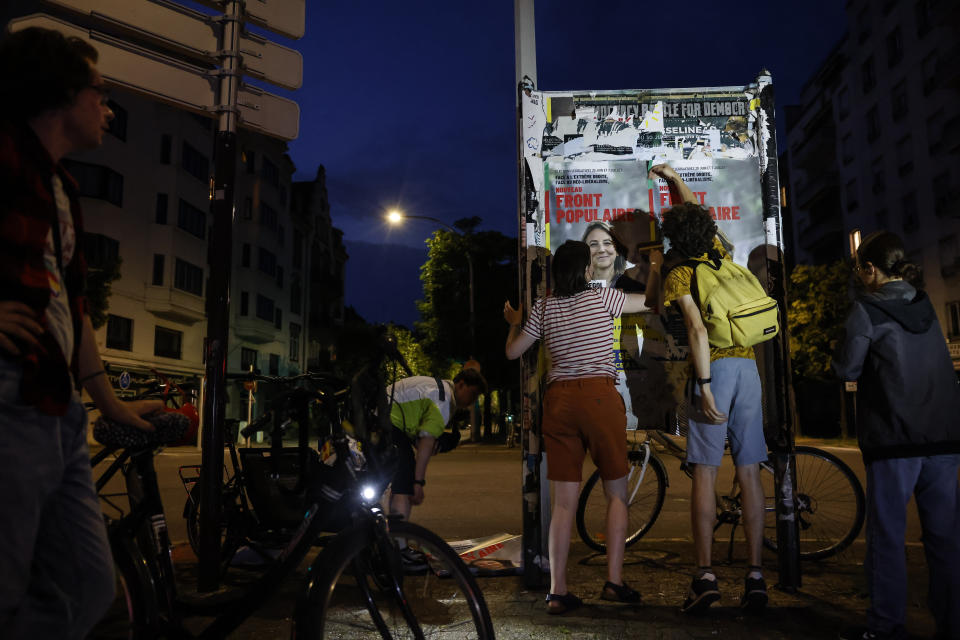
point(218, 299)
point(473, 330)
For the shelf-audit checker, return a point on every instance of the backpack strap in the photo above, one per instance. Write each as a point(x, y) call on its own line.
point(440, 388)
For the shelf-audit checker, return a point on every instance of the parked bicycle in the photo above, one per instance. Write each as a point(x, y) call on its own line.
point(829, 509)
point(358, 579)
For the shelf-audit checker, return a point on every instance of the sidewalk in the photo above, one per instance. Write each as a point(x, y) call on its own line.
point(831, 598)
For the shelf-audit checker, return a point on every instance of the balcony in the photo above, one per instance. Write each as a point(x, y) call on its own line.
point(255, 330)
point(174, 305)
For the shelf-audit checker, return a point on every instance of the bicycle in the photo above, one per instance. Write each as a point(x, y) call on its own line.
point(830, 500)
point(341, 495)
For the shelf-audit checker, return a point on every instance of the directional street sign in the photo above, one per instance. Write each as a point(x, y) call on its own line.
point(191, 33)
point(175, 82)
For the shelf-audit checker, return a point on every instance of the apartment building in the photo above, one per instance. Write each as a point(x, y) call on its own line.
point(876, 141)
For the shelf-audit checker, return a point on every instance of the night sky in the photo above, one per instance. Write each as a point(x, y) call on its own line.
point(412, 105)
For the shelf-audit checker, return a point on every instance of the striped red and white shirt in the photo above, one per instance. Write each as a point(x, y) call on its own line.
point(578, 332)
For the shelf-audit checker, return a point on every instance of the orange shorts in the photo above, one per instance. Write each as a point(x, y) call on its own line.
point(581, 415)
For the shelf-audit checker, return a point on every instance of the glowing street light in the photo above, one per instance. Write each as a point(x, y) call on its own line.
point(396, 217)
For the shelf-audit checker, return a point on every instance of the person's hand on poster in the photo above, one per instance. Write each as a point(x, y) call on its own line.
point(668, 173)
point(664, 171)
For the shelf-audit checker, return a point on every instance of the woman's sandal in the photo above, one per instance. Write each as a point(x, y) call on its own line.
point(619, 593)
point(564, 603)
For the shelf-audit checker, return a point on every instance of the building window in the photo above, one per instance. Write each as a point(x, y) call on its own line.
point(898, 100)
point(879, 179)
point(274, 364)
point(270, 173)
point(846, 148)
point(248, 359)
point(250, 161)
point(853, 199)
point(281, 235)
point(278, 319)
point(280, 277)
point(118, 126)
point(294, 342)
point(863, 23)
point(167, 343)
point(245, 255)
point(867, 76)
point(942, 198)
point(911, 218)
point(188, 277)
point(953, 319)
point(297, 250)
point(267, 262)
point(268, 216)
point(119, 333)
point(247, 211)
point(192, 220)
point(295, 294)
point(873, 124)
point(158, 264)
point(96, 181)
point(265, 309)
point(195, 163)
point(949, 256)
point(905, 156)
point(934, 131)
point(894, 47)
point(244, 303)
point(928, 70)
point(160, 216)
point(843, 103)
point(166, 144)
point(101, 251)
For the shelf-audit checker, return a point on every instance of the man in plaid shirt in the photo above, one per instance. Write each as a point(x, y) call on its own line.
point(55, 562)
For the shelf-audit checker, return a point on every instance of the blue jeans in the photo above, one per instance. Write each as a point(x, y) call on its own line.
point(933, 483)
point(55, 562)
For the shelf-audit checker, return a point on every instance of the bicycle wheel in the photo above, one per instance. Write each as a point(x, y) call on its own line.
point(646, 487)
point(231, 524)
point(830, 504)
point(358, 591)
point(134, 613)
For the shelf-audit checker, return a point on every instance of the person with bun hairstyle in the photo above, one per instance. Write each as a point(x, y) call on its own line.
point(908, 403)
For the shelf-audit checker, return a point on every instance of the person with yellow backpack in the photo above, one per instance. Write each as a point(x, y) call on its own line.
point(725, 312)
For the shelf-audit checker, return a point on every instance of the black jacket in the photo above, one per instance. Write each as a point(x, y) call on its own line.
point(908, 398)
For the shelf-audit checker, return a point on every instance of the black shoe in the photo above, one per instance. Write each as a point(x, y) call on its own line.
point(754, 598)
point(703, 593)
point(413, 561)
point(619, 593)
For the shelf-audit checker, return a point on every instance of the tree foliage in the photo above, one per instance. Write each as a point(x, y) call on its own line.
point(99, 281)
point(445, 307)
point(819, 302)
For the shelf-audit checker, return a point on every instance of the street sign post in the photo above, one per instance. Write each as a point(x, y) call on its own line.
point(285, 17)
point(192, 34)
point(175, 82)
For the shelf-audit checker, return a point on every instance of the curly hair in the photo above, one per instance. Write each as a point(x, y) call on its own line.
point(46, 70)
point(690, 229)
point(569, 268)
point(884, 250)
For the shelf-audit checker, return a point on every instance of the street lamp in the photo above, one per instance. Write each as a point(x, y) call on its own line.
point(396, 217)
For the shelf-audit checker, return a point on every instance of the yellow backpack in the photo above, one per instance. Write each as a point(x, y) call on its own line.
point(736, 310)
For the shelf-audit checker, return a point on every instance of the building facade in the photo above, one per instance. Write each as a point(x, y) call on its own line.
point(876, 141)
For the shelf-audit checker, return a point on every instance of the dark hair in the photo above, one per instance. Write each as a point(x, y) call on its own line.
point(42, 70)
point(569, 268)
point(471, 378)
point(884, 250)
point(619, 263)
point(690, 229)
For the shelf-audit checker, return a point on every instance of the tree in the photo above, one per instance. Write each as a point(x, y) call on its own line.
point(819, 302)
point(99, 281)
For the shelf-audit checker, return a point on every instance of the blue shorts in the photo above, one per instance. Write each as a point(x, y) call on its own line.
point(736, 389)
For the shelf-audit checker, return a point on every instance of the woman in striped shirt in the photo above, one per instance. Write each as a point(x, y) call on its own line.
point(581, 408)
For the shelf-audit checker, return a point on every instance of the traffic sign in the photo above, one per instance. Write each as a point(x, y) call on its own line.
point(181, 84)
point(124, 380)
point(285, 17)
point(190, 33)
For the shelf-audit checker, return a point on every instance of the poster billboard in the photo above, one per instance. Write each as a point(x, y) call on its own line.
point(586, 157)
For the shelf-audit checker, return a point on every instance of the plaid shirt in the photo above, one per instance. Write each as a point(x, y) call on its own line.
point(27, 209)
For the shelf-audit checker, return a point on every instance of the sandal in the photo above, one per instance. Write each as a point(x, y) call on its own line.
point(619, 593)
point(566, 602)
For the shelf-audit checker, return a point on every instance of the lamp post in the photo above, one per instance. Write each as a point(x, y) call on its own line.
point(396, 217)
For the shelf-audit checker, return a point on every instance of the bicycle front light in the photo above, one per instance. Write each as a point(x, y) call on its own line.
point(368, 493)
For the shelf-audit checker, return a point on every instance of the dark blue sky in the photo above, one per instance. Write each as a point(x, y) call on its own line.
point(412, 105)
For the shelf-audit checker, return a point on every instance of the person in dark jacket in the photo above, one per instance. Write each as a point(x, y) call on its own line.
point(908, 406)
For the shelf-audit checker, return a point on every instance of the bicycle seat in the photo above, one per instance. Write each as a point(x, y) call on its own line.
point(169, 428)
